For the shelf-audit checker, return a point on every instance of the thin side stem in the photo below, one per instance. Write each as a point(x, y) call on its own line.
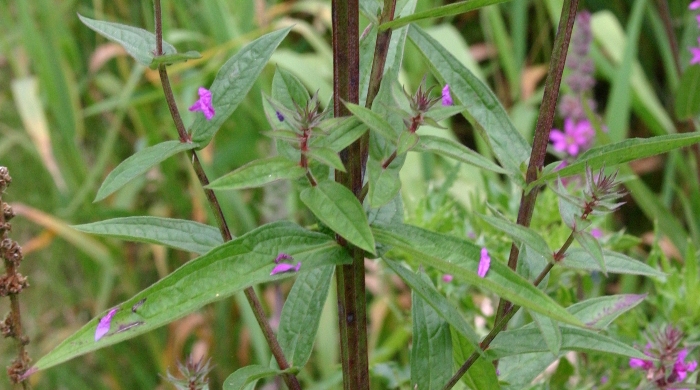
point(665, 15)
point(250, 295)
point(544, 125)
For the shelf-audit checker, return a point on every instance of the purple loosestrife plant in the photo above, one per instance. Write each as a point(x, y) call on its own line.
point(666, 367)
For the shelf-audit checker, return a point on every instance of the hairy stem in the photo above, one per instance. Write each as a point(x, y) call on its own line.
point(250, 295)
point(544, 125)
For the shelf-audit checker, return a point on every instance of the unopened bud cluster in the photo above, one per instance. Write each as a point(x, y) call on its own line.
point(601, 193)
point(194, 373)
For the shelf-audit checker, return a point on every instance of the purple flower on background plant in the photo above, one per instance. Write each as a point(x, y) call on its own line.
point(695, 4)
point(695, 51)
point(574, 138)
point(284, 267)
point(204, 104)
point(681, 368)
point(283, 256)
point(105, 324)
point(446, 97)
point(447, 278)
point(596, 233)
point(484, 263)
point(641, 364)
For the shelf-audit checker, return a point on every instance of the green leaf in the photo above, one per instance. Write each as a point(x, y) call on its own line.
point(529, 339)
point(138, 42)
point(229, 268)
point(337, 207)
point(374, 121)
point(406, 142)
point(301, 314)
point(169, 59)
point(616, 263)
point(140, 163)
point(176, 233)
point(520, 234)
point(258, 173)
point(439, 12)
point(342, 132)
point(550, 332)
point(438, 302)
point(282, 134)
point(384, 184)
point(482, 374)
point(460, 258)
point(288, 90)
point(621, 152)
point(687, 102)
point(328, 157)
point(486, 112)
point(431, 354)
point(234, 80)
point(251, 374)
point(454, 150)
point(592, 246)
point(601, 311)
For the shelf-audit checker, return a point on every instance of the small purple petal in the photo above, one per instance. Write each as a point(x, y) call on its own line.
point(204, 104)
point(446, 97)
point(641, 364)
point(280, 117)
point(484, 263)
point(695, 51)
point(104, 325)
point(283, 256)
point(447, 278)
point(694, 5)
point(284, 267)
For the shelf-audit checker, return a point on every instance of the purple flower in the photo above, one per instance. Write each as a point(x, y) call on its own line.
point(574, 138)
point(204, 103)
point(641, 364)
point(694, 5)
point(681, 368)
point(695, 51)
point(284, 267)
point(447, 278)
point(105, 323)
point(283, 256)
point(446, 97)
point(596, 233)
point(484, 263)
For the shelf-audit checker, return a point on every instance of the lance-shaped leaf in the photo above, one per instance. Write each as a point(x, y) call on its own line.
point(482, 374)
point(327, 156)
point(234, 80)
point(529, 339)
point(176, 233)
point(520, 234)
point(339, 209)
point(616, 263)
point(169, 59)
point(439, 12)
point(454, 150)
point(374, 121)
point(258, 173)
point(485, 111)
point(231, 267)
point(251, 374)
point(601, 311)
point(301, 314)
point(406, 142)
point(384, 184)
point(140, 163)
point(460, 258)
point(138, 42)
point(620, 152)
point(431, 355)
point(342, 132)
point(549, 330)
point(438, 302)
point(592, 246)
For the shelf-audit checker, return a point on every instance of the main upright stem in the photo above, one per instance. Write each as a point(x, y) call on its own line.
point(350, 279)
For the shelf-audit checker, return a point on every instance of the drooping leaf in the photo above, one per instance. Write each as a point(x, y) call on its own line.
point(384, 184)
point(486, 112)
point(169, 59)
point(231, 267)
point(460, 258)
point(327, 156)
point(435, 300)
point(176, 233)
point(616, 263)
point(439, 12)
point(592, 246)
point(258, 173)
point(140, 163)
point(301, 314)
point(342, 132)
point(448, 148)
point(251, 374)
point(139, 43)
point(234, 80)
point(337, 207)
point(431, 354)
point(374, 121)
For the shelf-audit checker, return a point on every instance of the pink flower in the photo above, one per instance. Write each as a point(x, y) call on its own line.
point(284, 267)
point(574, 138)
point(681, 368)
point(446, 97)
point(283, 256)
point(695, 51)
point(105, 323)
point(641, 364)
point(447, 278)
point(694, 5)
point(484, 263)
point(596, 233)
point(204, 103)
